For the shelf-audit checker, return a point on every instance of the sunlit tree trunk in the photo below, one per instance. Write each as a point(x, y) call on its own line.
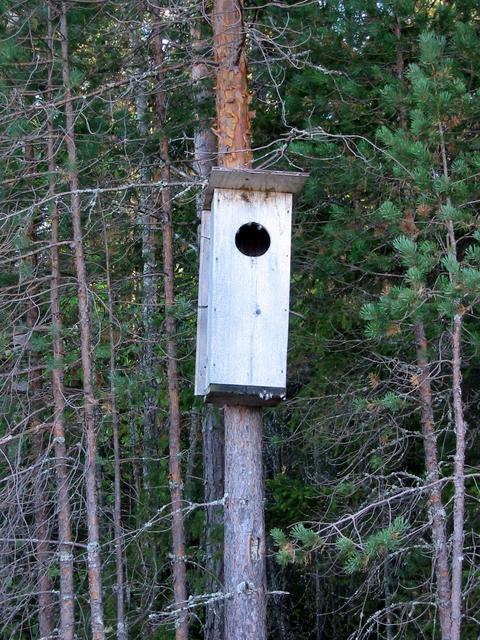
point(175, 471)
point(93, 555)
point(205, 150)
point(244, 538)
point(67, 603)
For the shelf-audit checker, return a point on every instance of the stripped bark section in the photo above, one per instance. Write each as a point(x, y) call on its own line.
point(232, 96)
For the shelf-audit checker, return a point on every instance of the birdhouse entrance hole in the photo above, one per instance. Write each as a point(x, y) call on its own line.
point(252, 239)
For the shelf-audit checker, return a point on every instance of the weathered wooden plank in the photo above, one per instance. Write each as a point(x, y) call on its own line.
point(202, 313)
point(248, 296)
point(253, 180)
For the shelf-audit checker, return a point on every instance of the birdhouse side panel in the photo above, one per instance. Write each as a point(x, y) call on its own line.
point(248, 303)
point(202, 313)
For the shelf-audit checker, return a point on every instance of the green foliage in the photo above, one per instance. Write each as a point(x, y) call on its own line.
point(359, 557)
point(297, 547)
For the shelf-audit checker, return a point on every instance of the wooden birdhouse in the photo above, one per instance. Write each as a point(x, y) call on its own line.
point(243, 301)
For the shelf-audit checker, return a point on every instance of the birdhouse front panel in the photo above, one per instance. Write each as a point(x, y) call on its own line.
point(248, 295)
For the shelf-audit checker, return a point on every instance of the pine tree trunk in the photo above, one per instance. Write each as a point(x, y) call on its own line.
point(46, 623)
point(232, 97)
point(460, 431)
point(122, 632)
point(205, 144)
point(400, 68)
point(244, 538)
point(67, 603)
point(43, 551)
point(175, 472)
point(93, 550)
point(205, 149)
point(149, 301)
point(435, 503)
point(459, 481)
point(213, 478)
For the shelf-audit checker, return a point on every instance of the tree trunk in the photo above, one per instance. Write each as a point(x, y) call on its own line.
point(244, 541)
point(232, 97)
point(149, 302)
point(93, 550)
point(244, 538)
point(175, 472)
point(389, 628)
point(460, 432)
point(205, 146)
point(122, 633)
point(43, 552)
point(435, 503)
point(400, 68)
point(67, 603)
point(213, 478)
point(459, 481)
point(205, 149)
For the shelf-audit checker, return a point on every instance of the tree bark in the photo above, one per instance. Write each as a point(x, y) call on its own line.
point(43, 551)
point(149, 301)
point(93, 549)
point(175, 472)
point(400, 69)
point(460, 432)
point(213, 479)
point(459, 481)
point(232, 97)
point(67, 603)
point(205, 150)
point(122, 633)
point(244, 537)
point(435, 503)
point(244, 541)
point(205, 146)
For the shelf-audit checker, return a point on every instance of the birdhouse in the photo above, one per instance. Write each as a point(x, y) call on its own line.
point(243, 301)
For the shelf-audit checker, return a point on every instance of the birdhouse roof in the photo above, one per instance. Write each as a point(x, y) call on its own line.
point(253, 180)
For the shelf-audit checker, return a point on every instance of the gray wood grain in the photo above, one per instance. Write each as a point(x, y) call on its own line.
point(248, 297)
point(202, 313)
point(254, 180)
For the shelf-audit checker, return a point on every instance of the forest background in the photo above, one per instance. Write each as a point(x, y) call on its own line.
point(107, 135)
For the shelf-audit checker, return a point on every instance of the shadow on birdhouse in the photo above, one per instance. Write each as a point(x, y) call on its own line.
point(243, 300)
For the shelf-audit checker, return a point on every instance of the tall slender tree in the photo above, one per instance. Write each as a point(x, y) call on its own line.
point(67, 602)
point(205, 148)
point(93, 549)
point(174, 439)
point(35, 387)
